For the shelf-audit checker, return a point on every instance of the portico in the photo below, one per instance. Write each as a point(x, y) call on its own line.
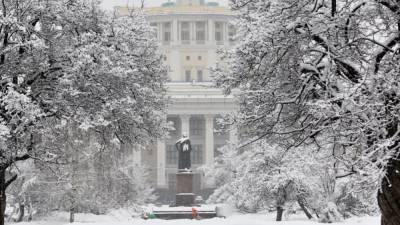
point(196, 115)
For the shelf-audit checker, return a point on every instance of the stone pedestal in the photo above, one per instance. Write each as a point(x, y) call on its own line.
point(185, 199)
point(184, 189)
point(184, 182)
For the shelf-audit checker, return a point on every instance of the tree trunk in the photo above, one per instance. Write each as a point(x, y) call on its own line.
point(2, 195)
point(304, 208)
point(279, 213)
point(71, 215)
point(30, 210)
point(389, 196)
point(74, 168)
point(21, 212)
point(316, 213)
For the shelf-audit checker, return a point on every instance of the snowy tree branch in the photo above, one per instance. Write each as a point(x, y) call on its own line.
point(395, 39)
point(389, 5)
point(12, 179)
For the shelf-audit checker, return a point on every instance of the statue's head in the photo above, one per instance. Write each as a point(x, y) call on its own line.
point(184, 135)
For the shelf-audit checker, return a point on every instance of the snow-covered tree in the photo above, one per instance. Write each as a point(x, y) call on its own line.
point(89, 173)
point(67, 61)
point(265, 177)
point(323, 74)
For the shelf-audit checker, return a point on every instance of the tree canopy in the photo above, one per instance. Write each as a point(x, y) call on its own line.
point(66, 62)
point(321, 75)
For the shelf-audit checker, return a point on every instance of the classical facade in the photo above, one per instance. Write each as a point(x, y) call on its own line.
point(189, 33)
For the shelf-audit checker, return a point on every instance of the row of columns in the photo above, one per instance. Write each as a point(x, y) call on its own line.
point(209, 139)
point(209, 31)
point(185, 128)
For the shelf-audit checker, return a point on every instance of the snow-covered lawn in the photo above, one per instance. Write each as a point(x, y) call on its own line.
point(123, 218)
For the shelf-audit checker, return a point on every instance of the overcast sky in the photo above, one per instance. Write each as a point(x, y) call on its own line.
point(109, 4)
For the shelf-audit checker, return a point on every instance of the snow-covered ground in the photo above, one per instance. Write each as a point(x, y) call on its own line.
point(123, 217)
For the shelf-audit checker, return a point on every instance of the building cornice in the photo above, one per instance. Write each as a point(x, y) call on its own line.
point(179, 10)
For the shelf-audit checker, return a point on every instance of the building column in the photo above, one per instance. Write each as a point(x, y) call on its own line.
point(209, 139)
point(175, 31)
point(225, 29)
point(210, 33)
point(185, 123)
point(161, 153)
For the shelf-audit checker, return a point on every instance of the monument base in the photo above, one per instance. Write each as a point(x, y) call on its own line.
point(184, 199)
point(169, 213)
point(184, 182)
point(184, 189)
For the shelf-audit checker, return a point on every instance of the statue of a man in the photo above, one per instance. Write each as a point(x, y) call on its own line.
point(184, 148)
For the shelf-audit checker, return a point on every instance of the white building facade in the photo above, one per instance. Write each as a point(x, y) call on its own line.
point(190, 32)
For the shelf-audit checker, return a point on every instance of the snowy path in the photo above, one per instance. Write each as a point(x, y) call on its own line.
point(236, 219)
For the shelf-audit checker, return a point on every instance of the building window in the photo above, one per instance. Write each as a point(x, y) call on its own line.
point(166, 28)
point(188, 77)
point(196, 155)
point(172, 155)
point(155, 29)
point(200, 75)
point(187, 57)
point(199, 58)
point(196, 126)
point(200, 32)
point(219, 32)
point(165, 57)
point(231, 33)
point(185, 32)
